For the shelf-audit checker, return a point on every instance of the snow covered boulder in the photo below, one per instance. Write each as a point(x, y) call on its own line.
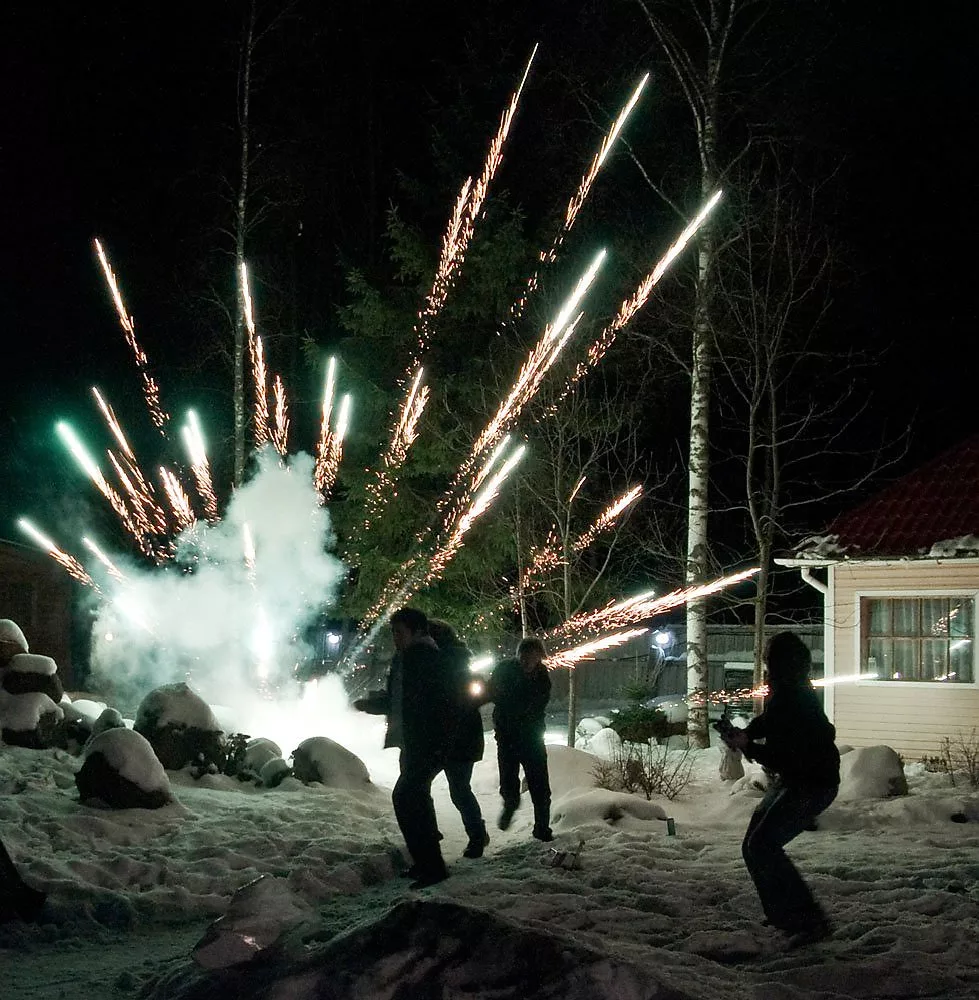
point(588, 727)
point(257, 916)
point(258, 752)
point(30, 720)
point(871, 773)
point(26, 672)
point(604, 743)
point(274, 772)
point(569, 768)
point(121, 771)
point(12, 640)
point(180, 726)
point(591, 807)
point(321, 759)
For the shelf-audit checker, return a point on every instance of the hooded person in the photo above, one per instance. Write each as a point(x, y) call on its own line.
point(466, 744)
point(793, 740)
point(520, 690)
point(418, 704)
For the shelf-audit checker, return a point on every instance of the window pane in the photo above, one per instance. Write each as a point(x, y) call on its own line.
point(878, 658)
point(904, 664)
point(960, 657)
point(934, 616)
point(933, 660)
point(878, 619)
point(961, 619)
point(906, 620)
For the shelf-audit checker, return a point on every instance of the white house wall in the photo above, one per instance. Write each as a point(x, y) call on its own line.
point(910, 717)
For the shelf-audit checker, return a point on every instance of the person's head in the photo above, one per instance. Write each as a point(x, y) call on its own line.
point(531, 652)
point(406, 625)
point(788, 660)
point(443, 633)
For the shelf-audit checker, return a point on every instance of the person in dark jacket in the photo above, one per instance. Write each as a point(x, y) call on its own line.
point(793, 739)
point(466, 743)
point(520, 690)
point(418, 706)
point(17, 899)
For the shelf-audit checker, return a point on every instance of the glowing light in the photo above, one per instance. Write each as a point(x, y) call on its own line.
point(183, 513)
point(280, 434)
point(200, 466)
point(248, 545)
point(606, 519)
point(479, 663)
point(476, 688)
point(323, 445)
point(663, 638)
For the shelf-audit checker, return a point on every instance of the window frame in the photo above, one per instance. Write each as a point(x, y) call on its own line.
point(905, 595)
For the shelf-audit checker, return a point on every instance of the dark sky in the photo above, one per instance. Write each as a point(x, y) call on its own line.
point(115, 119)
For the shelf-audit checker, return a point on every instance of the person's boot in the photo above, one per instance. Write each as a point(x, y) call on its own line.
point(506, 814)
point(477, 843)
point(543, 833)
point(29, 903)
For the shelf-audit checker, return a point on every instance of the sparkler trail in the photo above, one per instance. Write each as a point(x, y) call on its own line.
point(200, 466)
point(332, 464)
point(69, 563)
point(114, 425)
point(110, 566)
point(569, 657)
point(280, 435)
point(183, 512)
point(256, 353)
point(576, 203)
point(629, 307)
point(606, 519)
point(324, 443)
point(151, 390)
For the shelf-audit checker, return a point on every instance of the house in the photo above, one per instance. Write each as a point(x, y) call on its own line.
point(899, 576)
point(37, 594)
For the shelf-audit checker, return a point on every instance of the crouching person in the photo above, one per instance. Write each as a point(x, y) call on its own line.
point(794, 739)
point(520, 690)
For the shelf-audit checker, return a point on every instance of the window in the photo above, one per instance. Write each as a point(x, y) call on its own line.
point(918, 638)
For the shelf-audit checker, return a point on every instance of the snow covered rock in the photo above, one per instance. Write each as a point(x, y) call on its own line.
point(588, 727)
point(321, 759)
point(111, 718)
point(259, 752)
point(604, 743)
point(121, 771)
point(257, 916)
point(30, 720)
point(12, 640)
point(600, 806)
point(27, 672)
point(569, 768)
point(871, 773)
point(274, 772)
point(180, 726)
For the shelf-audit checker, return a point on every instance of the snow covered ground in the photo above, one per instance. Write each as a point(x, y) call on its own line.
point(646, 915)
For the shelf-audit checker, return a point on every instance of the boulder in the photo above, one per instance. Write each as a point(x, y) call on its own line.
point(259, 751)
point(30, 720)
point(121, 771)
point(180, 727)
point(321, 759)
point(274, 772)
point(12, 640)
point(871, 773)
point(28, 672)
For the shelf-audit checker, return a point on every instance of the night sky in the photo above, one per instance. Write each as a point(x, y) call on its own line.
point(117, 118)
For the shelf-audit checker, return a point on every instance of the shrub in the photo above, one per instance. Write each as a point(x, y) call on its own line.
point(643, 767)
point(957, 755)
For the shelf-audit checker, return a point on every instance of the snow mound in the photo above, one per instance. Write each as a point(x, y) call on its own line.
point(131, 756)
point(604, 743)
point(175, 705)
point(321, 759)
point(569, 768)
point(871, 773)
point(12, 636)
point(950, 548)
point(32, 663)
point(22, 713)
point(432, 948)
point(599, 806)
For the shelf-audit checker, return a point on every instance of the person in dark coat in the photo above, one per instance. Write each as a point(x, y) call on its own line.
point(418, 706)
point(794, 740)
point(466, 744)
point(18, 901)
point(520, 690)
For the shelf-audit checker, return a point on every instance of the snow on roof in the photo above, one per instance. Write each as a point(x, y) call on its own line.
point(933, 512)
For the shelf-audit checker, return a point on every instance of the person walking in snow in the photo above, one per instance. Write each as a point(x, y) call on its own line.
point(793, 739)
point(466, 744)
point(418, 706)
point(17, 899)
point(520, 689)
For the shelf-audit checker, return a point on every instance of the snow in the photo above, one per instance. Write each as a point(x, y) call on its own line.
point(22, 712)
point(132, 893)
point(949, 548)
point(32, 663)
point(130, 755)
point(176, 705)
point(10, 632)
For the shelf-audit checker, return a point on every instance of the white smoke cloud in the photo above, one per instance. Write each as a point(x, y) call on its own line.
point(230, 627)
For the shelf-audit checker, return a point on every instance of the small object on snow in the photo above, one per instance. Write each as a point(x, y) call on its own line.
point(569, 859)
point(670, 826)
point(258, 915)
point(732, 766)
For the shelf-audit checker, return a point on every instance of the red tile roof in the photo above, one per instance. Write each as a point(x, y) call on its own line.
point(937, 502)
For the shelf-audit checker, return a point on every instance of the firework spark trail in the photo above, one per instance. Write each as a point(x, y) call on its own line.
point(248, 548)
point(332, 465)
point(569, 657)
point(323, 445)
point(183, 512)
point(606, 519)
point(407, 429)
point(110, 566)
point(151, 391)
point(630, 306)
point(256, 353)
point(73, 567)
point(576, 203)
point(149, 514)
point(113, 424)
point(635, 609)
point(200, 466)
point(280, 435)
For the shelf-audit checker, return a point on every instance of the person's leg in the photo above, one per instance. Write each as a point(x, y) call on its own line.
point(534, 759)
point(17, 898)
point(783, 814)
point(508, 758)
point(459, 774)
point(415, 812)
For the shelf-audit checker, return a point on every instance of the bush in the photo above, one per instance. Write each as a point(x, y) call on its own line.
point(642, 767)
point(958, 755)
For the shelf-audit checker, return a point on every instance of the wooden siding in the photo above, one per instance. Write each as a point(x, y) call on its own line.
point(911, 718)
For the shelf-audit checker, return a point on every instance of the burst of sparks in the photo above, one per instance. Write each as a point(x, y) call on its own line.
point(68, 562)
point(606, 519)
point(151, 390)
point(256, 352)
point(280, 435)
point(569, 657)
point(332, 464)
point(632, 305)
point(248, 547)
point(183, 512)
point(113, 423)
point(110, 566)
point(324, 443)
point(635, 609)
point(200, 466)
